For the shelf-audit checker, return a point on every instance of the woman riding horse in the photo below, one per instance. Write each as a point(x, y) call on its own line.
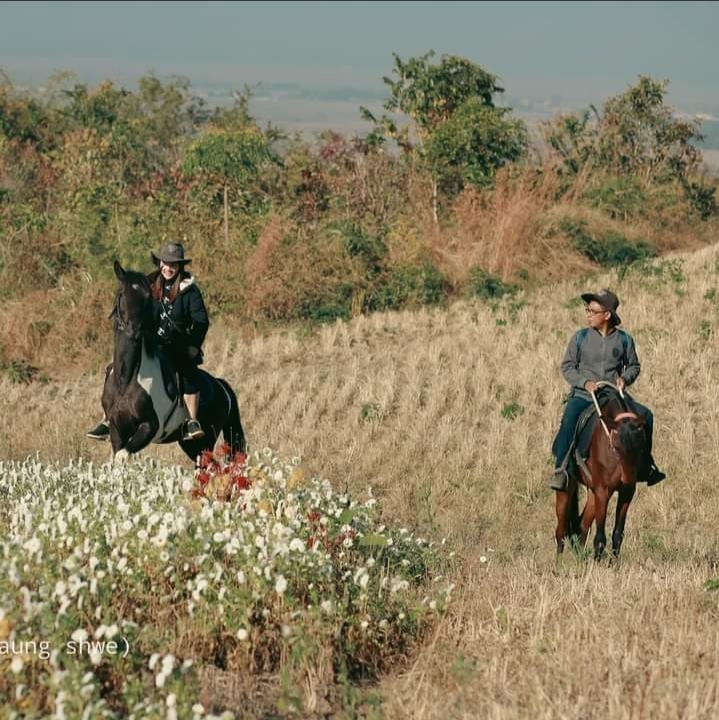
point(182, 324)
point(140, 398)
point(600, 352)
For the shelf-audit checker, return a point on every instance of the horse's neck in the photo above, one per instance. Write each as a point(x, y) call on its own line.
point(126, 359)
point(612, 403)
point(614, 407)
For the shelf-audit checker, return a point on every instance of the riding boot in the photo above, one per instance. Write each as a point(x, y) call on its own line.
point(651, 474)
point(655, 475)
point(101, 432)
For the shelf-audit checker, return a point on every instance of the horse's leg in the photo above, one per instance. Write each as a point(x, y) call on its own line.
point(626, 493)
point(194, 448)
point(601, 500)
point(587, 517)
point(115, 438)
point(119, 454)
point(142, 436)
point(561, 505)
point(232, 430)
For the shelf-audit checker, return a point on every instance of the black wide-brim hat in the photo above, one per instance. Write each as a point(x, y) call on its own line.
point(608, 300)
point(171, 253)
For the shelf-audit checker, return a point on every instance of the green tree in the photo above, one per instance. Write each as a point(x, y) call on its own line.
point(636, 136)
point(472, 144)
point(640, 135)
point(455, 127)
point(225, 159)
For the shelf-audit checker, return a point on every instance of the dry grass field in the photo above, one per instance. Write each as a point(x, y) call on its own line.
point(449, 415)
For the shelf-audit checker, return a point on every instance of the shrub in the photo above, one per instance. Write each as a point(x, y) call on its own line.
point(484, 285)
point(611, 249)
point(369, 250)
point(250, 565)
point(620, 197)
point(655, 274)
point(512, 410)
point(407, 286)
point(20, 371)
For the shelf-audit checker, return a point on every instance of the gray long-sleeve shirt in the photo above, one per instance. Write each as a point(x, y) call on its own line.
point(597, 357)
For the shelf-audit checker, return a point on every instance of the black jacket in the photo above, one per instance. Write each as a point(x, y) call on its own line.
point(188, 321)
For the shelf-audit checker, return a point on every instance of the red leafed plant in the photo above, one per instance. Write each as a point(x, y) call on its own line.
point(221, 475)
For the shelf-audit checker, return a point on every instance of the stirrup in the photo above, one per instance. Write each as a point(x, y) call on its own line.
point(193, 430)
point(559, 480)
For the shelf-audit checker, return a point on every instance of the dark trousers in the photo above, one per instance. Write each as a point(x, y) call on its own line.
point(187, 368)
point(574, 408)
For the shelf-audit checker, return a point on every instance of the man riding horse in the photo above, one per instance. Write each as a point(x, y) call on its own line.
point(599, 352)
point(182, 324)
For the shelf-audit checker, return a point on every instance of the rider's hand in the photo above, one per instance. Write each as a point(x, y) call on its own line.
point(621, 384)
point(591, 386)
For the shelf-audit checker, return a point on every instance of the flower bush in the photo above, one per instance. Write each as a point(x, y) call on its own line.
point(118, 585)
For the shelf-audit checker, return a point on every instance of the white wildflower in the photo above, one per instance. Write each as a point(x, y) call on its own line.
point(280, 584)
point(297, 545)
point(80, 635)
point(32, 546)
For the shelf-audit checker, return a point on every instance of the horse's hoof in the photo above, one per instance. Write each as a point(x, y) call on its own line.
point(121, 456)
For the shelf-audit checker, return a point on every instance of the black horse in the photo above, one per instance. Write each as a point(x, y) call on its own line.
point(141, 399)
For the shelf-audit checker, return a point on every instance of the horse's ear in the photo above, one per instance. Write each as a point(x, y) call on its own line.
point(119, 271)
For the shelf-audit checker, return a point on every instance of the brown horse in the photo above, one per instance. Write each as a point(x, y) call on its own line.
point(618, 455)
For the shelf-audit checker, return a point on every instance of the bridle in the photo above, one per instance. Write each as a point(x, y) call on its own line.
point(627, 415)
point(121, 324)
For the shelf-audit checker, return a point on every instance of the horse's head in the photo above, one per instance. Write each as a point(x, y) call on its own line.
point(132, 308)
point(626, 428)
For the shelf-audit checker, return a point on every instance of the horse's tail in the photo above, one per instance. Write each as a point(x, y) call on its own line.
point(232, 430)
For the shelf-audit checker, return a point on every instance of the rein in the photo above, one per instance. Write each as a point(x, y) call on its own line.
point(621, 416)
point(120, 324)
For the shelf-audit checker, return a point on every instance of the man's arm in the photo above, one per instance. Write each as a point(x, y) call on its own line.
point(632, 367)
point(570, 365)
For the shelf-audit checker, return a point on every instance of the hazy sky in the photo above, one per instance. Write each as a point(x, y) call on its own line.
point(580, 49)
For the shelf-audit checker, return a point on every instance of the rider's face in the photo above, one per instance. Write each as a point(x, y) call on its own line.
point(169, 270)
point(597, 316)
